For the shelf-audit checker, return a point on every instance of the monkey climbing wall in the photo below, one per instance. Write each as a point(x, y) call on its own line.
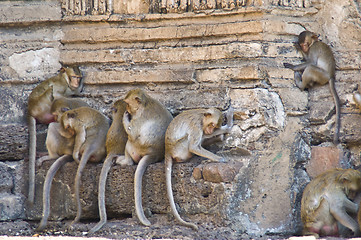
point(208, 54)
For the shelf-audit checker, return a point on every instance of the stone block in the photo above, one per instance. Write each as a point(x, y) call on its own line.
point(220, 75)
point(140, 76)
point(350, 131)
point(34, 11)
point(11, 206)
point(218, 172)
point(7, 182)
point(103, 34)
point(164, 54)
point(323, 159)
point(13, 146)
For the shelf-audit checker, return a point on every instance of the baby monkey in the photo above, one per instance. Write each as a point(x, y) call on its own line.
point(185, 136)
point(319, 68)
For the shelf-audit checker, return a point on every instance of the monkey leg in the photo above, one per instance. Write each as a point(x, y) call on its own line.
point(168, 175)
point(312, 75)
point(101, 193)
point(298, 80)
point(32, 156)
point(139, 172)
point(47, 187)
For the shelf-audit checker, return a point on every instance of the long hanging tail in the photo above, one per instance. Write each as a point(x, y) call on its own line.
point(84, 160)
point(139, 172)
point(32, 156)
point(338, 111)
point(101, 193)
point(47, 187)
point(168, 176)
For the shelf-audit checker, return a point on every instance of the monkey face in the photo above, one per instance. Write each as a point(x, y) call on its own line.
point(305, 47)
point(74, 79)
point(209, 129)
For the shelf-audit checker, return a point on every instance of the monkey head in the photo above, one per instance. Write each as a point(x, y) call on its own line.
point(135, 100)
point(212, 120)
point(351, 182)
point(73, 77)
point(306, 39)
point(67, 122)
point(57, 109)
point(118, 106)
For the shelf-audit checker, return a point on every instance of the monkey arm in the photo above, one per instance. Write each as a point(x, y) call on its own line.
point(200, 151)
point(350, 206)
point(79, 140)
point(299, 67)
point(126, 122)
point(338, 209)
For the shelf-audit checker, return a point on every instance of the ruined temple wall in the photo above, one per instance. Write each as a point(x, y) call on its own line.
point(206, 55)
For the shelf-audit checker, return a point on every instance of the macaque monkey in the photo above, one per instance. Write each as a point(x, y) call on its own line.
point(115, 146)
point(88, 127)
point(319, 68)
point(56, 144)
point(68, 82)
point(326, 202)
point(145, 121)
point(185, 136)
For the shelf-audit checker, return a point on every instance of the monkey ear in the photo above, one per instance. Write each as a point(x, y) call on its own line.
point(71, 115)
point(314, 36)
point(207, 114)
point(139, 101)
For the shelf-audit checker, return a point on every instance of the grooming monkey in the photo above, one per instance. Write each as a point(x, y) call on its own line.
point(326, 202)
point(56, 144)
point(115, 146)
point(88, 126)
point(68, 82)
point(185, 136)
point(145, 122)
point(319, 68)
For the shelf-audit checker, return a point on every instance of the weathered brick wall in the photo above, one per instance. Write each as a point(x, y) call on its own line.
point(201, 57)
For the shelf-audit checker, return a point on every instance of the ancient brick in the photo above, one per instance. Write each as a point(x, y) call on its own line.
point(322, 159)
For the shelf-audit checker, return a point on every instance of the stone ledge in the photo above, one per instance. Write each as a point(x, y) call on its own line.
point(26, 13)
point(192, 196)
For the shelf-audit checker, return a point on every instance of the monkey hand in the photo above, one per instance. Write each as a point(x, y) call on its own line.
point(288, 65)
point(126, 119)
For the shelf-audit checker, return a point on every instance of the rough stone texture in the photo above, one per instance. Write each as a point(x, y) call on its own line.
point(209, 56)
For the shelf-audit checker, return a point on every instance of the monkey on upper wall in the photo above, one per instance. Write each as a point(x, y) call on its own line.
point(67, 83)
point(326, 202)
point(186, 135)
point(319, 68)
